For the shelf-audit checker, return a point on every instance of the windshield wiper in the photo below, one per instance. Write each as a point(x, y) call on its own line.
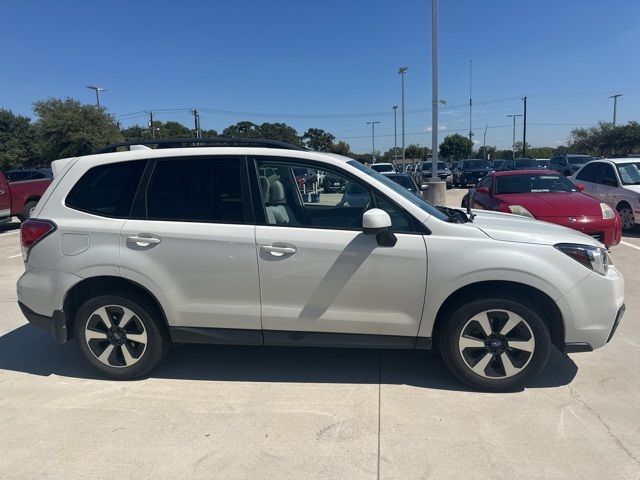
point(455, 215)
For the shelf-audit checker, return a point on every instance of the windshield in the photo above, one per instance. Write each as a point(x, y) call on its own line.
point(533, 184)
point(382, 167)
point(578, 160)
point(476, 164)
point(404, 181)
point(629, 173)
point(416, 200)
point(427, 166)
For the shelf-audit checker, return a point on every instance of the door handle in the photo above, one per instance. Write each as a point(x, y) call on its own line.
point(279, 250)
point(143, 241)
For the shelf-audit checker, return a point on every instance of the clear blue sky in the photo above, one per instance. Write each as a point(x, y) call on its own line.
point(330, 59)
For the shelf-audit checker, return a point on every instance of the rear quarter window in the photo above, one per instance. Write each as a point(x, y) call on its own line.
point(107, 190)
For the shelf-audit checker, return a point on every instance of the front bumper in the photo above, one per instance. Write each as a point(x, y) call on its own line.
point(606, 231)
point(56, 325)
point(592, 310)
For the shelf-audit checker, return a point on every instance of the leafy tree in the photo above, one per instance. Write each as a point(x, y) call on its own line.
point(279, 131)
point(488, 152)
point(69, 129)
point(604, 138)
point(135, 132)
point(173, 130)
point(540, 152)
point(389, 154)
point(341, 148)
point(18, 141)
point(415, 152)
point(319, 140)
point(455, 147)
point(242, 129)
point(209, 133)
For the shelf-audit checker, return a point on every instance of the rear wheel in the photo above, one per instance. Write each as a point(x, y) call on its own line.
point(495, 344)
point(120, 337)
point(626, 215)
point(28, 210)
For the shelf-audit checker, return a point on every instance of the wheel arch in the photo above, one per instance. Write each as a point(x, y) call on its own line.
point(103, 285)
point(623, 203)
point(531, 296)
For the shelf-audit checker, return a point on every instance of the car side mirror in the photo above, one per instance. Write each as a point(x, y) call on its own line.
point(482, 190)
point(580, 187)
point(378, 222)
point(424, 186)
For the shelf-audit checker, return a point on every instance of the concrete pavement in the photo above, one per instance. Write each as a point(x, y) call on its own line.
point(281, 413)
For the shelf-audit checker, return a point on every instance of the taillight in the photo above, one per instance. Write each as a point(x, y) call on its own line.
point(32, 231)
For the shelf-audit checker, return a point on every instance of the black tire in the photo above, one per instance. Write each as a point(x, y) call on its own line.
point(526, 365)
point(626, 216)
point(146, 320)
point(26, 213)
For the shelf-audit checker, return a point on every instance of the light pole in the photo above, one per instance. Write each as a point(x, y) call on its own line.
point(402, 71)
point(373, 141)
point(524, 128)
point(615, 106)
point(395, 133)
point(484, 141)
point(513, 142)
point(98, 90)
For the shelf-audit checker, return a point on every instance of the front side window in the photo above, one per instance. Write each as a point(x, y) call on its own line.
point(107, 190)
point(588, 172)
point(304, 196)
point(606, 175)
point(197, 190)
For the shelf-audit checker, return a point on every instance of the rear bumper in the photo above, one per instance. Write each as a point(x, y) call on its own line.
point(56, 325)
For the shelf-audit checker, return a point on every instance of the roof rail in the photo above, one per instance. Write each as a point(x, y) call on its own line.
point(201, 142)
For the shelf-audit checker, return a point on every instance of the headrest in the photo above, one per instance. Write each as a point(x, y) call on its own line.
point(264, 188)
point(276, 192)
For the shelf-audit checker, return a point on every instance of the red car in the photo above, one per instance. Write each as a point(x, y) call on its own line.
point(549, 196)
point(19, 197)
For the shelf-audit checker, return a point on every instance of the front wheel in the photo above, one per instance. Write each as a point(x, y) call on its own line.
point(495, 344)
point(626, 215)
point(120, 337)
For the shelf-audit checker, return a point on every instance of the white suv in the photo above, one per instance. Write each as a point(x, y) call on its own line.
point(131, 251)
point(615, 182)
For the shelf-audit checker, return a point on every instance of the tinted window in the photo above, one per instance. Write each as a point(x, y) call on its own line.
point(476, 164)
point(606, 175)
point(588, 173)
point(427, 166)
point(108, 189)
point(382, 167)
point(200, 190)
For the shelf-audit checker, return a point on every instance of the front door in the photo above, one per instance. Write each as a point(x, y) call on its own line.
point(195, 246)
point(319, 272)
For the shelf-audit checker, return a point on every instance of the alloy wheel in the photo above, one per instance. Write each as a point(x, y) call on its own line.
point(626, 215)
point(116, 336)
point(496, 344)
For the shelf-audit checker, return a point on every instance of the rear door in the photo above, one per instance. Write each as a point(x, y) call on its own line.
point(5, 197)
point(587, 177)
point(320, 274)
point(192, 243)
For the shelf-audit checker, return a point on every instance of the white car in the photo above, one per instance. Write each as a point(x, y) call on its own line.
point(128, 252)
point(615, 182)
point(383, 167)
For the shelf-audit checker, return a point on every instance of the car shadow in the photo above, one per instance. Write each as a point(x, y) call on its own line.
point(31, 351)
point(9, 226)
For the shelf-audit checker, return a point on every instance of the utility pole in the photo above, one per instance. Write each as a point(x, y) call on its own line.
point(373, 141)
point(196, 121)
point(470, 100)
point(484, 141)
point(524, 128)
point(97, 90)
point(513, 142)
point(395, 133)
point(150, 113)
point(615, 106)
point(402, 71)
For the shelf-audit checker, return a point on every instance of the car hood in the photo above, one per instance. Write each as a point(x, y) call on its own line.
point(554, 204)
point(633, 188)
point(516, 228)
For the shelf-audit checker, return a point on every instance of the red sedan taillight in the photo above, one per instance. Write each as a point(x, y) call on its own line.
point(32, 231)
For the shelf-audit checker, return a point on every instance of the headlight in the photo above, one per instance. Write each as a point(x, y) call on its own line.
point(594, 258)
point(607, 211)
point(520, 210)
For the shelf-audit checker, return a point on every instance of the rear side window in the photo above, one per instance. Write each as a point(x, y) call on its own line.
point(201, 190)
point(588, 173)
point(107, 190)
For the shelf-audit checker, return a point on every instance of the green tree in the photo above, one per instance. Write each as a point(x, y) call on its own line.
point(455, 147)
point(415, 152)
point(18, 141)
point(241, 129)
point(341, 148)
point(135, 132)
point(173, 130)
point(488, 152)
point(69, 129)
point(318, 140)
point(279, 131)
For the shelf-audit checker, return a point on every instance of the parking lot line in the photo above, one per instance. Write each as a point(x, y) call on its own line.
point(14, 256)
point(13, 232)
point(626, 244)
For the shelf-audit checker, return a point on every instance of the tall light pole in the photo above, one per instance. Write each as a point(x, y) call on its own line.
point(615, 106)
point(524, 128)
point(402, 71)
point(395, 133)
point(513, 142)
point(484, 141)
point(434, 90)
point(98, 90)
point(373, 141)
point(470, 100)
